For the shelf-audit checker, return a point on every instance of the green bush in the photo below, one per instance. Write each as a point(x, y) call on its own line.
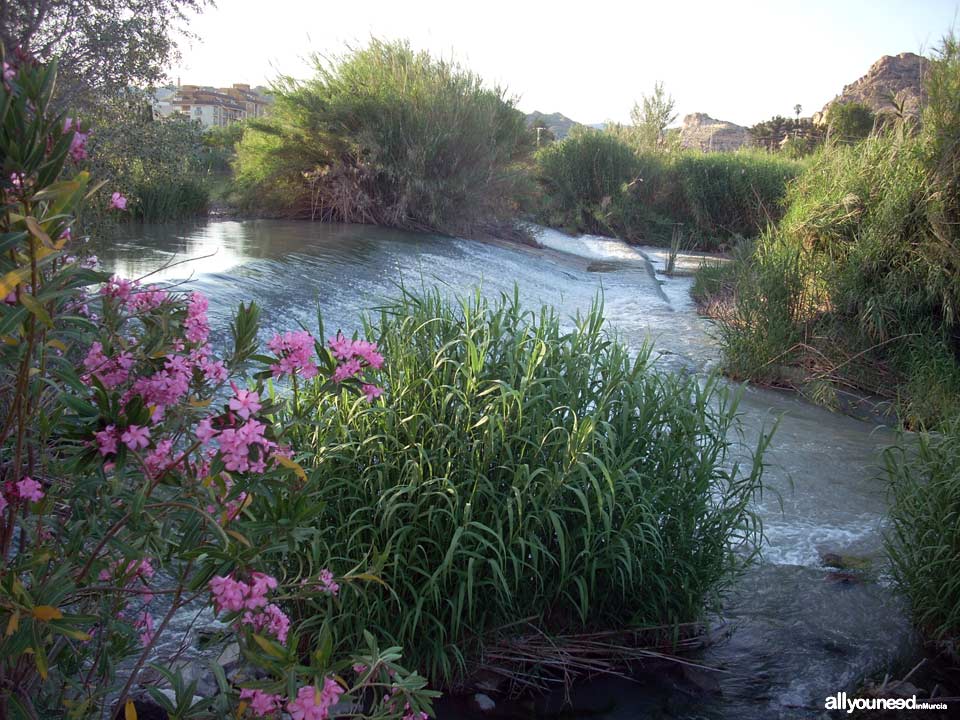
point(596, 182)
point(849, 122)
point(924, 539)
point(160, 164)
point(735, 194)
point(522, 476)
point(389, 136)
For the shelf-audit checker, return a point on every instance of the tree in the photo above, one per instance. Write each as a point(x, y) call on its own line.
point(103, 46)
point(652, 117)
point(849, 122)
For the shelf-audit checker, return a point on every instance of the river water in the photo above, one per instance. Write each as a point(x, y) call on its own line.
point(798, 631)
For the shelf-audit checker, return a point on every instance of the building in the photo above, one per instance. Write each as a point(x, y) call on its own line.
point(212, 107)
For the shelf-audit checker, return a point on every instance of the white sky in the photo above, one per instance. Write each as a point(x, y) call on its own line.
point(737, 60)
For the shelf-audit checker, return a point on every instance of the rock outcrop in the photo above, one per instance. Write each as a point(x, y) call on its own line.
point(892, 76)
point(702, 132)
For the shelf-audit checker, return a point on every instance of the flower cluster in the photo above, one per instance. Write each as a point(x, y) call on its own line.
point(26, 489)
point(326, 584)
point(314, 703)
point(262, 703)
point(78, 143)
point(196, 325)
point(353, 356)
point(110, 371)
point(295, 354)
point(250, 598)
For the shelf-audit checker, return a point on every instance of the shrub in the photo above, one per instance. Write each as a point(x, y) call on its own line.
point(521, 473)
point(141, 473)
point(925, 531)
point(597, 182)
point(849, 122)
point(160, 164)
point(389, 136)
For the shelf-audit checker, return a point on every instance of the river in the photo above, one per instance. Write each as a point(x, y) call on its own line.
point(798, 631)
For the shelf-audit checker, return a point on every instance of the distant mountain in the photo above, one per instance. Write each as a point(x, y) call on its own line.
point(891, 76)
point(702, 132)
point(559, 124)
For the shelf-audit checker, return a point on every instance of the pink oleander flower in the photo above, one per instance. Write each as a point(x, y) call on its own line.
point(205, 432)
point(78, 145)
point(346, 370)
point(106, 440)
point(359, 668)
point(258, 589)
point(9, 72)
point(372, 392)
point(409, 714)
point(237, 445)
point(148, 299)
point(136, 437)
point(30, 489)
point(261, 703)
point(314, 704)
point(118, 202)
point(294, 351)
point(326, 584)
point(244, 402)
point(109, 371)
point(228, 594)
point(271, 619)
point(145, 624)
point(196, 327)
point(161, 458)
point(131, 571)
point(118, 288)
point(344, 349)
point(213, 370)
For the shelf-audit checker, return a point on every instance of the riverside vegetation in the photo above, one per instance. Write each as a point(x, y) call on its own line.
point(857, 289)
point(477, 467)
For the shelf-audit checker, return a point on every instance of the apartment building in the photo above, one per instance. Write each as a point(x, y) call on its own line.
point(212, 107)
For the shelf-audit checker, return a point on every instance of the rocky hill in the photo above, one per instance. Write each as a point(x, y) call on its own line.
point(703, 132)
point(559, 124)
point(890, 76)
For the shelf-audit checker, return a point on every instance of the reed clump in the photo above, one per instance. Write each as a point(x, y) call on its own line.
point(527, 476)
point(389, 136)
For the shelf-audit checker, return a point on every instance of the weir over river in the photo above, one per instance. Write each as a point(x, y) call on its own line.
point(798, 631)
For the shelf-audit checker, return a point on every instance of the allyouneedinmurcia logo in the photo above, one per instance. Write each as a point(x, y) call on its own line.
point(842, 701)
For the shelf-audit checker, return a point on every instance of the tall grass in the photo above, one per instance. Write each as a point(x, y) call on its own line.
point(524, 475)
point(859, 284)
point(597, 182)
point(390, 136)
point(924, 539)
point(166, 199)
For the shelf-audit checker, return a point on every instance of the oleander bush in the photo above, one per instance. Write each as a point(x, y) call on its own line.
point(142, 473)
